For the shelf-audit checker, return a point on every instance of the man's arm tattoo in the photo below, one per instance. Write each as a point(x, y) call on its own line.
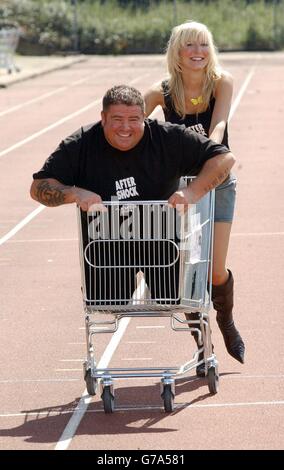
point(49, 195)
point(218, 180)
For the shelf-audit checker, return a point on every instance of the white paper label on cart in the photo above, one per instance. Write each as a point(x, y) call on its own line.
point(195, 239)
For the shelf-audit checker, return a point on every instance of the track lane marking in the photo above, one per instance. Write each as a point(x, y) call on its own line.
point(21, 224)
point(48, 240)
point(75, 420)
point(241, 93)
point(85, 399)
point(71, 428)
point(178, 406)
point(53, 92)
point(37, 134)
point(46, 129)
point(60, 121)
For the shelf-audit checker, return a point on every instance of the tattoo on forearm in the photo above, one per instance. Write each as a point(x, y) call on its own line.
point(49, 195)
point(218, 180)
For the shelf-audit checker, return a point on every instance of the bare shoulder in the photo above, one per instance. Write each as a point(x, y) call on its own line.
point(225, 83)
point(226, 77)
point(155, 93)
point(154, 97)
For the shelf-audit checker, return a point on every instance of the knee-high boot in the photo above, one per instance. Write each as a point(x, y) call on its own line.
point(222, 298)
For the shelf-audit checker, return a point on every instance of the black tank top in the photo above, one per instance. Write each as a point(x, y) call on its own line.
point(199, 122)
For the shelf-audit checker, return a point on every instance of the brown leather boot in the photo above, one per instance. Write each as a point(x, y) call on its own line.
point(223, 301)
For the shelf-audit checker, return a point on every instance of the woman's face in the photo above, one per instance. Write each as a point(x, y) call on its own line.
point(194, 55)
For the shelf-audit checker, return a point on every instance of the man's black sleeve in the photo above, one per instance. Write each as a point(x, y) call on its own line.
point(62, 164)
point(196, 150)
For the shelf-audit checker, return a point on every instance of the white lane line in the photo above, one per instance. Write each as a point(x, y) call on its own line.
point(44, 240)
point(149, 327)
point(140, 342)
point(51, 93)
point(71, 360)
point(226, 405)
point(47, 240)
point(70, 429)
point(271, 376)
point(33, 136)
point(136, 80)
point(78, 343)
point(241, 92)
point(21, 224)
point(50, 127)
point(80, 111)
point(85, 399)
point(183, 406)
point(137, 359)
point(37, 380)
point(33, 100)
point(257, 234)
point(59, 122)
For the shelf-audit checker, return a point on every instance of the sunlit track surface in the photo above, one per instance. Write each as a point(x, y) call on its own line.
point(42, 334)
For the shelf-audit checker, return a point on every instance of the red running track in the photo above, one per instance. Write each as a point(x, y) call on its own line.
point(42, 327)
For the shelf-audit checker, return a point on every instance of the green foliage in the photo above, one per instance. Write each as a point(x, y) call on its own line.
point(141, 26)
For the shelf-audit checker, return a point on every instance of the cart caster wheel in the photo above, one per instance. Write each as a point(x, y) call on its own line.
point(91, 383)
point(168, 398)
point(213, 380)
point(108, 400)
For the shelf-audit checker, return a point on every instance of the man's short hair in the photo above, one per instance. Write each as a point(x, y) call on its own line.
point(123, 94)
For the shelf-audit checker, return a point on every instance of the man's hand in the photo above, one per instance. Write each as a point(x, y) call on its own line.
point(52, 193)
point(89, 201)
point(181, 200)
point(213, 173)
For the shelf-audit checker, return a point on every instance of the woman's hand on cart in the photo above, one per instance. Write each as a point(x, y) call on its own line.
point(89, 201)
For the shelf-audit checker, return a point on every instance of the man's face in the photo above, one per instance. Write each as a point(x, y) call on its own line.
point(123, 125)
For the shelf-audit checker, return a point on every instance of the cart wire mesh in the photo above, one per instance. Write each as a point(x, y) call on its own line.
point(143, 255)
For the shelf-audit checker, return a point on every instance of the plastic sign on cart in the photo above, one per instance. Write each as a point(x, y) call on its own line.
point(195, 239)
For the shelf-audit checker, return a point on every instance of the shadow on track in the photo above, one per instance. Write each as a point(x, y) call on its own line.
point(45, 425)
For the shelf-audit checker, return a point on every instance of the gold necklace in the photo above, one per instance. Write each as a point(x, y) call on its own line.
point(196, 101)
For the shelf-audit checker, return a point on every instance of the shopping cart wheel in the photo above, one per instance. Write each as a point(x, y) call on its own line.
point(91, 383)
point(168, 398)
point(213, 380)
point(108, 400)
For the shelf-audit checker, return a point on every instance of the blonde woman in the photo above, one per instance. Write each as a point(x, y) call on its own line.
point(198, 93)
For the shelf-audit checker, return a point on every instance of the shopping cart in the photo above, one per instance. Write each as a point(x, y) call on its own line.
point(9, 38)
point(142, 259)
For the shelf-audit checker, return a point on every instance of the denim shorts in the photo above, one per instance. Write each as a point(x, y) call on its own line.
point(225, 197)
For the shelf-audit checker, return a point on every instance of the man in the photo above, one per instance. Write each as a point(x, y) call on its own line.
point(130, 158)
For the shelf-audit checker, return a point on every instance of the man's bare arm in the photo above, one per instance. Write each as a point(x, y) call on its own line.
point(213, 173)
point(52, 193)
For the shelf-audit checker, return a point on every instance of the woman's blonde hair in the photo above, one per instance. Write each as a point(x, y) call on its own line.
point(182, 34)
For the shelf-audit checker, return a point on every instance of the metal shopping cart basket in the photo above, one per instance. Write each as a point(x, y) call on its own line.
point(136, 244)
point(9, 39)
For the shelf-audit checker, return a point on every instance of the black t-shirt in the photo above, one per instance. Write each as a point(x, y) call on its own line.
point(149, 171)
point(198, 122)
